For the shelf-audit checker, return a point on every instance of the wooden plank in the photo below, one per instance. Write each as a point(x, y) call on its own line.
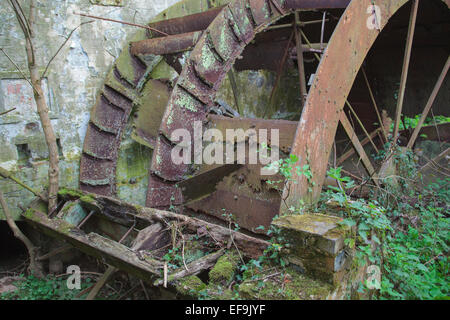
point(112, 253)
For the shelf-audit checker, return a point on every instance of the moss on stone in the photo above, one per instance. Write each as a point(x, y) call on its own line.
point(190, 286)
point(296, 287)
point(225, 268)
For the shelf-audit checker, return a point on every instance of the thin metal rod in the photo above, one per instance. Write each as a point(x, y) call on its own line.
point(300, 62)
point(323, 29)
point(375, 105)
point(86, 219)
point(359, 148)
point(300, 24)
point(309, 44)
point(127, 233)
point(361, 125)
point(429, 104)
point(350, 152)
point(405, 69)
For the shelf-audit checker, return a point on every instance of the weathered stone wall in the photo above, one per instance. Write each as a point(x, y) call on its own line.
point(71, 84)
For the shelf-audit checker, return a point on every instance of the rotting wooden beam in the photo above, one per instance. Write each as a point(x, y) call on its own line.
point(127, 214)
point(109, 251)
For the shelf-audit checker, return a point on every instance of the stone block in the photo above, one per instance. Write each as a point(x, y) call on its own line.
point(316, 244)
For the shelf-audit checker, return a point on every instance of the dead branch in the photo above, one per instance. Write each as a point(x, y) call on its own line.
point(17, 68)
point(42, 108)
point(195, 267)
point(8, 111)
point(122, 22)
point(62, 46)
point(8, 175)
point(32, 250)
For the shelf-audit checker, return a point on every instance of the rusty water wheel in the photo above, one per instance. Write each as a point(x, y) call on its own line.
point(217, 38)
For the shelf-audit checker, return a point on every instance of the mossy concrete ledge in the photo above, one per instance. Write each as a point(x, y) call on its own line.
point(316, 244)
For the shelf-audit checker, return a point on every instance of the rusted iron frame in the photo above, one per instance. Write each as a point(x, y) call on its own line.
point(405, 67)
point(326, 98)
point(310, 45)
point(358, 146)
point(429, 104)
point(286, 128)
point(121, 22)
point(374, 104)
point(316, 4)
point(300, 62)
point(190, 23)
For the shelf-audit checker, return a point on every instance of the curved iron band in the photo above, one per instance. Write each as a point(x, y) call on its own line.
point(346, 51)
point(224, 40)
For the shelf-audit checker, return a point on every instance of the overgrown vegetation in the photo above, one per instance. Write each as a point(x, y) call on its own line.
point(48, 288)
point(403, 229)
